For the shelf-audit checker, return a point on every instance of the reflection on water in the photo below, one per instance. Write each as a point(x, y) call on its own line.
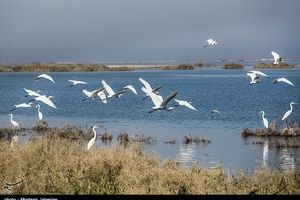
point(266, 154)
point(187, 153)
point(287, 159)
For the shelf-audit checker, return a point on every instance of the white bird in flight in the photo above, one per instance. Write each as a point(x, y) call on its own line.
point(22, 105)
point(111, 93)
point(129, 87)
point(185, 103)
point(277, 58)
point(149, 88)
point(14, 123)
point(282, 79)
point(159, 102)
point(45, 76)
point(93, 140)
point(258, 73)
point(32, 93)
point(99, 92)
point(75, 82)
point(45, 100)
point(265, 121)
point(289, 112)
point(254, 78)
point(210, 42)
point(40, 114)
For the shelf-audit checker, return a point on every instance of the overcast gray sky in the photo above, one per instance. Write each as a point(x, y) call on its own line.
point(136, 30)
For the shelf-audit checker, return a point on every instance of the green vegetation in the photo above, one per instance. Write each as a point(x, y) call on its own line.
point(177, 67)
point(233, 66)
point(273, 66)
point(59, 165)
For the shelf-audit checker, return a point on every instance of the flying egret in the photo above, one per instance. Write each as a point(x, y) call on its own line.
point(14, 123)
point(45, 100)
point(215, 112)
point(149, 88)
point(22, 105)
point(75, 82)
point(282, 79)
point(185, 103)
point(288, 113)
point(91, 95)
point(254, 78)
point(159, 102)
point(277, 58)
point(45, 76)
point(210, 42)
point(258, 73)
point(111, 93)
point(32, 93)
point(93, 140)
point(40, 114)
point(131, 88)
point(265, 121)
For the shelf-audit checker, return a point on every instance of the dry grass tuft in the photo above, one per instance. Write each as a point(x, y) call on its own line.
point(55, 165)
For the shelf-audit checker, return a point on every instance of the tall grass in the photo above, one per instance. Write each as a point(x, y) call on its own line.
point(56, 165)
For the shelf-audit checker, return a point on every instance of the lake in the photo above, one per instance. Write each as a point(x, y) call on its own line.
point(225, 90)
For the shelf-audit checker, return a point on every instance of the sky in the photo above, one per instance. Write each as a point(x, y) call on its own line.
point(147, 30)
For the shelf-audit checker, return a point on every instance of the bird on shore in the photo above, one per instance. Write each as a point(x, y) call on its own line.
point(254, 78)
point(22, 105)
point(93, 140)
point(14, 123)
point(215, 112)
point(40, 114)
point(45, 76)
point(277, 58)
point(282, 79)
point(149, 88)
point(210, 42)
point(265, 121)
point(159, 102)
point(288, 113)
point(32, 93)
point(46, 100)
point(91, 95)
point(185, 103)
point(75, 82)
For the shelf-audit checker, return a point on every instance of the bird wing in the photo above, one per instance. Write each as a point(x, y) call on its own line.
point(77, 82)
point(168, 98)
point(259, 73)
point(130, 87)
point(275, 55)
point(31, 93)
point(102, 96)
point(285, 80)
point(209, 41)
point(87, 93)
point(156, 99)
point(46, 101)
point(146, 84)
point(46, 77)
point(252, 76)
point(108, 89)
point(187, 104)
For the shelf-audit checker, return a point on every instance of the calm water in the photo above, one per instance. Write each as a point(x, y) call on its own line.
point(225, 90)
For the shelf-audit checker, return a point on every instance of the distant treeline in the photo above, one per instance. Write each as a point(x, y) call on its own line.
point(54, 67)
point(273, 66)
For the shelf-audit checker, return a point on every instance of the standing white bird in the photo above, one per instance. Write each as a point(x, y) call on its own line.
point(22, 105)
point(74, 82)
point(91, 95)
point(14, 123)
point(45, 100)
point(258, 73)
point(265, 121)
point(282, 79)
point(40, 114)
point(93, 140)
point(277, 58)
point(32, 93)
point(210, 42)
point(159, 102)
point(254, 78)
point(288, 113)
point(45, 76)
point(149, 88)
point(185, 103)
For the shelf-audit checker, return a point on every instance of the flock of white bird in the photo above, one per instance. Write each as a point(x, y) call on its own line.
point(106, 92)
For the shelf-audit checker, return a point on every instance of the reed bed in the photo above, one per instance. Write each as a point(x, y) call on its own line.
point(273, 66)
point(56, 165)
